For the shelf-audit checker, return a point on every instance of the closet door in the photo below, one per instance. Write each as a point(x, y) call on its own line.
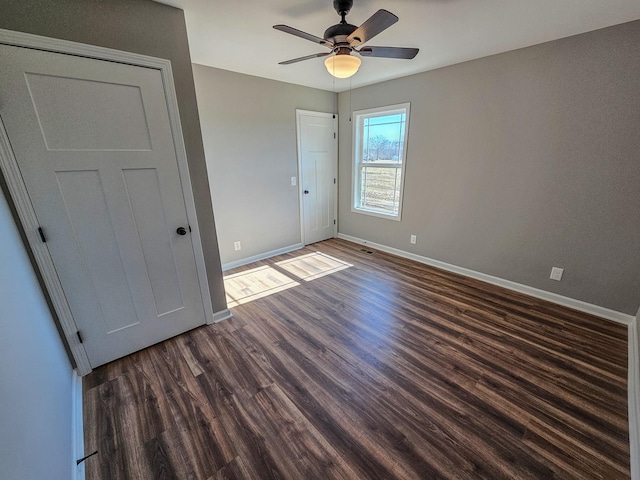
point(93, 142)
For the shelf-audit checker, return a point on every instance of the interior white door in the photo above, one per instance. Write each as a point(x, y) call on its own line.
point(94, 146)
point(318, 158)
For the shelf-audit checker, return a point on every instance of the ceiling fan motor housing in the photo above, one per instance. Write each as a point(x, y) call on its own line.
point(338, 33)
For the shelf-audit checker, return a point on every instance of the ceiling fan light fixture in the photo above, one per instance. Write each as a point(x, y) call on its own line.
point(342, 66)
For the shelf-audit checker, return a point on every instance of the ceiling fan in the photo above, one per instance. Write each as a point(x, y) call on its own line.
point(343, 39)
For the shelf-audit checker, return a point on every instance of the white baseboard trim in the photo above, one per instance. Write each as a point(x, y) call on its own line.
point(221, 315)
point(261, 256)
point(633, 388)
point(517, 287)
point(77, 427)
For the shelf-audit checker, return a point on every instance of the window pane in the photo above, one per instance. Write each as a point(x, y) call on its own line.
point(383, 138)
point(380, 189)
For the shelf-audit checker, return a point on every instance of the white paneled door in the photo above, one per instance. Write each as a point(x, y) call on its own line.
point(94, 146)
point(317, 151)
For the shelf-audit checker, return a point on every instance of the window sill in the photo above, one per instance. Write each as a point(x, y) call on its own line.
point(372, 213)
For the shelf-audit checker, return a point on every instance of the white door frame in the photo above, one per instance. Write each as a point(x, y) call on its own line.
point(26, 213)
point(299, 113)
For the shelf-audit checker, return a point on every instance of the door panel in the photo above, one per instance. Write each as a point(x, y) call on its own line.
point(88, 108)
point(94, 146)
point(318, 159)
point(88, 216)
point(145, 199)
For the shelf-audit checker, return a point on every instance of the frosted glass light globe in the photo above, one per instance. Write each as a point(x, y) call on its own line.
point(342, 66)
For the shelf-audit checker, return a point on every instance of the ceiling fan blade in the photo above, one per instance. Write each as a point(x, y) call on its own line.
point(389, 52)
point(378, 22)
point(308, 57)
point(301, 34)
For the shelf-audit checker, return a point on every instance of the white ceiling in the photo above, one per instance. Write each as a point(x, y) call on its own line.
point(238, 35)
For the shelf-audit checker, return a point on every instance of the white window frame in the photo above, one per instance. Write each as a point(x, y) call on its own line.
point(357, 163)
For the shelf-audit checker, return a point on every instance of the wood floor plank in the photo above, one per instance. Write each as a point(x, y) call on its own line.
point(236, 469)
point(162, 466)
point(368, 366)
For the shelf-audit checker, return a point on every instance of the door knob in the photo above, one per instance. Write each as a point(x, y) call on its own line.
point(181, 231)
point(306, 192)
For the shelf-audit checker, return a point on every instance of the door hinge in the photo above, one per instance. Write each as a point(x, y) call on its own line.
point(334, 135)
point(334, 222)
point(42, 237)
point(334, 181)
point(79, 336)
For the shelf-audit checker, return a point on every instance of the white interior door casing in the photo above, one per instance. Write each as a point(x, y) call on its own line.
point(317, 160)
point(94, 146)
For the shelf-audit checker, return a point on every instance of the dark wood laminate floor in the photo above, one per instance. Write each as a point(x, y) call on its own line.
point(387, 369)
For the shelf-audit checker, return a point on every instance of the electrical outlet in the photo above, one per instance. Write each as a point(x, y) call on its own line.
point(236, 246)
point(556, 273)
point(294, 181)
point(413, 239)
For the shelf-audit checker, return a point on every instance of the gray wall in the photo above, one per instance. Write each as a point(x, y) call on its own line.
point(249, 133)
point(145, 27)
point(519, 162)
point(35, 374)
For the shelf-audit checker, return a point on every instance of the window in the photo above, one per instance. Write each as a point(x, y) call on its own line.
point(380, 145)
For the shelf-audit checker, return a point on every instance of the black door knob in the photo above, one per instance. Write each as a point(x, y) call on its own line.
point(181, 231)
point(306, 192)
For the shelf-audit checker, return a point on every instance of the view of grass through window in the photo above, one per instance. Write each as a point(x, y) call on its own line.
point(379, 189)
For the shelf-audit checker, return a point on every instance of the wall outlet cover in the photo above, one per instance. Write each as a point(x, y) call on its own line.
point(236, 246)
point(556, 273)
point(413, 239)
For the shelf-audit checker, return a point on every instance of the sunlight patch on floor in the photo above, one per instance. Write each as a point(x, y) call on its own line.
point(243, 287)
point(313, 265)
point(256, 283)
